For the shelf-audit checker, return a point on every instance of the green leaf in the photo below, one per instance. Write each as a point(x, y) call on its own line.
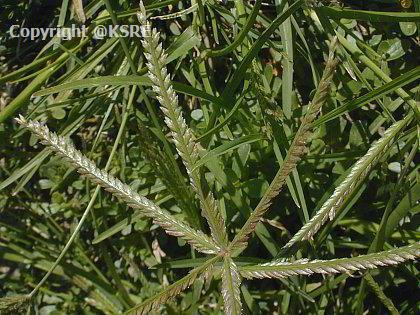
point(118, 227)
point(255, 188)
point(95, 82)
point(227, 147)
point(408, 28)
point(385, 89)
point(370, 16)
point(391, 49)
point(235, 81)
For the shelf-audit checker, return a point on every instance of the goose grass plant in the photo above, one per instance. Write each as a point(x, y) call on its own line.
point(183, 137)
point(192, 201)
point(231, 274)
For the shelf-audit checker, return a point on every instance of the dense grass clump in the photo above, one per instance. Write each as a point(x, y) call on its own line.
point(255, 157)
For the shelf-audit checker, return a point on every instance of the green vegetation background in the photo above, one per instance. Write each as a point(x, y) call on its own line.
point(244, 116)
